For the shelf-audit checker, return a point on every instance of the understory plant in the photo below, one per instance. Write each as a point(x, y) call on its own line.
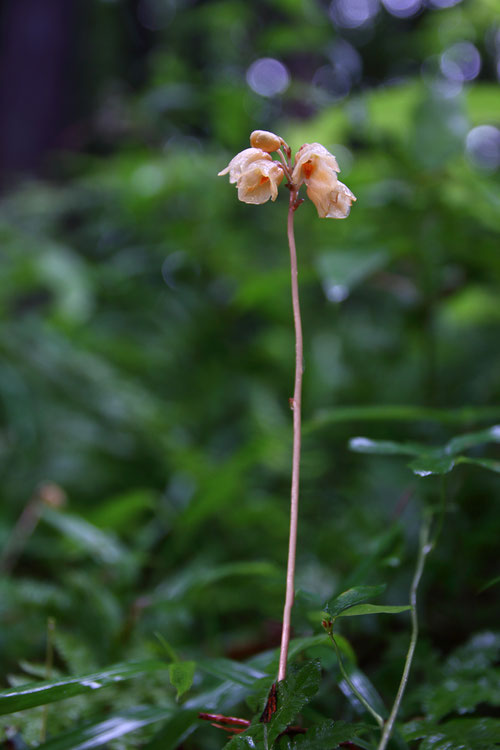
point(157, 692)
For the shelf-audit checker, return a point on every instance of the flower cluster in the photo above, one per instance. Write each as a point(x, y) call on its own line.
point(257, 175)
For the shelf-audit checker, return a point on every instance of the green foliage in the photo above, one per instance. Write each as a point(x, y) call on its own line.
point(41, 693)
point(147, 358)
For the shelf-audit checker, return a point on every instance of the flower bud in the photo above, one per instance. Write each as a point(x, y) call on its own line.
point(265, 140)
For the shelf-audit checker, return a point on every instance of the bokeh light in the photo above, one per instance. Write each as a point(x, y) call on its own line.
point(443, 3)
point(461, 62)
point(351, 14)
point(482, 147)
point(333, 80)
point(403, 8)
point(268, 76)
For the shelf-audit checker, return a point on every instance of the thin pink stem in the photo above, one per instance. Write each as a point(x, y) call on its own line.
point(296, 407)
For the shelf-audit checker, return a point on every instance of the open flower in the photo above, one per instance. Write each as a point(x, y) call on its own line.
point(260, 181)
point(332, 202)
point(318, 168)
point(313, 159)
point(242, 162)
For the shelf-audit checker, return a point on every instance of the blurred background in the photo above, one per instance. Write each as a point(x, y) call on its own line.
point(147, 342)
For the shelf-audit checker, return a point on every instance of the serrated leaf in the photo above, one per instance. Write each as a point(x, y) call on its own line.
point(329, 734)
point(457, 734)
point(299, 687)
point(374, 609)
point(50, 691)
point(351, 598)
point(181, 675)
point(101, 732)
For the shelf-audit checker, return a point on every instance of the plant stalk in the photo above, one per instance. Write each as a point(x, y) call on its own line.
point(295, 404)
point(424, 548)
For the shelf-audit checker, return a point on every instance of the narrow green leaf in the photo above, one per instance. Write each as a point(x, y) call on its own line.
point(41, 693)
point(373, 609)
point(365, 687)
point(484, 463)
point(352, 597)
point(471, 439)
point(386, 447)
point(175, 731)
point(235, 671)
point(100, 733)
point(102, 545)
point(425, 466)
point(181, 675)
point(488, 584)
point(402, 413)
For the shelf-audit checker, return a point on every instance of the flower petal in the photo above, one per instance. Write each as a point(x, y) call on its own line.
point(260, 182)
point(241, 161)
point(310, 158)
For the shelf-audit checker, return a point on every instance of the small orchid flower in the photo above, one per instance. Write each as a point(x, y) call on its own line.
point(260, 182)
point(318, 168)
point(242, 161)
point(257, 175)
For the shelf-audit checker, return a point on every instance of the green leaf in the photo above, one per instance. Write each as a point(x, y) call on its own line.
point(424, 466)
point(235, 671)
point(374, 609)
point(102, 732)
point(175, 731)
point(102, 546)
point(293, 693)
point(352, 597)
point(386, 447)
point(181, 675)
point(365, 687)
point(329, 734)
point(488, 584)
point(401, 413)
point(472, 439)
point(457, 734)
point(41, 693)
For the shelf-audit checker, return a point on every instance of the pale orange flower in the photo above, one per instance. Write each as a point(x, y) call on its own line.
point(318, 168)
point(260, 181)
point(242, 161)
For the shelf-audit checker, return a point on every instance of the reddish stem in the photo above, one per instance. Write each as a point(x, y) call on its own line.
point(295, 404)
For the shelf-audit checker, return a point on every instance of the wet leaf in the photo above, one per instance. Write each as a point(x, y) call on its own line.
point(351, 598)
point(41, 693)
point(102, 732)
point(457, 734)
point(328, 734)
point(181, 675)
point(374, 609)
